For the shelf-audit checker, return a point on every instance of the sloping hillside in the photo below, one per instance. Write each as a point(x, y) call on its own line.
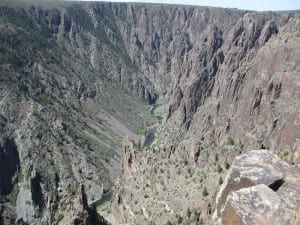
point(76, 78)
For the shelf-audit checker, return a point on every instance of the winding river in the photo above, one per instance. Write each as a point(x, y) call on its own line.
point(150, 135)
point(149, 138)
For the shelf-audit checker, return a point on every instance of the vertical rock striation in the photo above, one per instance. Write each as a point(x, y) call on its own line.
point(73, 75)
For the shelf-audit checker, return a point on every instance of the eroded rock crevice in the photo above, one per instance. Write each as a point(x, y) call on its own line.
point(276, 185)
point(36, 190)
point(9, 166)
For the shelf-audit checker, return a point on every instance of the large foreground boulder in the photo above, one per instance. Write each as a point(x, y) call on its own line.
point(256, 205)
point(259, 189)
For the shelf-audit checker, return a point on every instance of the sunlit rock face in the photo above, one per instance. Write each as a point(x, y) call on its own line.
point(259, 189)
point(76, 78)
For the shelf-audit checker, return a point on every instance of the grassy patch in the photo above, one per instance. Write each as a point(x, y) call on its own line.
point(103, 207)
point(230, 141)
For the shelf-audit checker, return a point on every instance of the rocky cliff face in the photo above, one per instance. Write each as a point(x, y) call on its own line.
point(238, 66)
point(62, 116)
point(173, 185)
point(75, 79)
point(226, 92)
point(235, 78)
point(252, 104)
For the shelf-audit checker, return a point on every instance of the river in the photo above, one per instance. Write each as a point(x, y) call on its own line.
point(149, 138)
point(150, 135)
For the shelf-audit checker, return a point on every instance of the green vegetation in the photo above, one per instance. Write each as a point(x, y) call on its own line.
point(220, 180)
point(188, 213)
point(29, 39)
point(227, 165)
point(169, 223)
point(80, 17)
point(179, 219)
point(220, 169)
point(230, 141)
point(284, 154)
point(185, 162)
point(200, 222)
point(103, 207)
point(27, 202)
point(216, 157)
point(12, 197)
point(197, 214)
point(205, 192)
point(60, 216)
point(150, 120)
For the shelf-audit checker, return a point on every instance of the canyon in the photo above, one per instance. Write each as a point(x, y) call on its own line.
point(84, 85)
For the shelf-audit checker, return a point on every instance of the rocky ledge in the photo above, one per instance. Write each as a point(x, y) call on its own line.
point(259, 189)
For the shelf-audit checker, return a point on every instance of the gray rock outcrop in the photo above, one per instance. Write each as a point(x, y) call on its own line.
point(256, 205)
point(127, 157)
point(259, 189)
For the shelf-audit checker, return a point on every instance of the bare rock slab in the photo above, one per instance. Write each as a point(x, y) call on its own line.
point(256, 205)
point(259, 189)
point(254, 168)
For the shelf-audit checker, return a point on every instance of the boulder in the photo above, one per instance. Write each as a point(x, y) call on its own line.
point(256, 205)
point(259, 189)
point(253, 168)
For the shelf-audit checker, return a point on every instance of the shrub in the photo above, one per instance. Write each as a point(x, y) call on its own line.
point(230, 141)
point(216, 157)
point(227, 165)
point(220, 180)
point(185, 162)
point(60, 217)
point(169, 223)
point(205, 192)
point(197, 214)
point(200, 222)
point(28, 202)
point(179, 219)
point(188, 213)
point(220, 169)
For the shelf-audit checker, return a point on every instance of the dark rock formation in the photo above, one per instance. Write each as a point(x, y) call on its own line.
point(9, 166)
point(36, 190)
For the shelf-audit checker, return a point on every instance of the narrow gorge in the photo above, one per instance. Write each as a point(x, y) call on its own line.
point(118, 113)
